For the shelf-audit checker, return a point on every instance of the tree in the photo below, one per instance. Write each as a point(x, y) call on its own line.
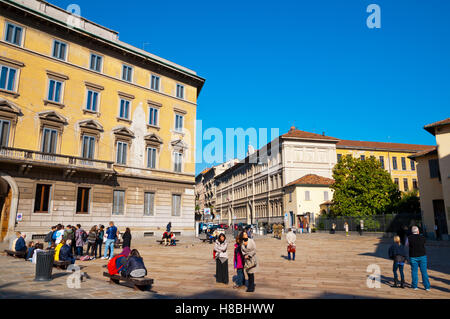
point(409, 203)
point(362, 188)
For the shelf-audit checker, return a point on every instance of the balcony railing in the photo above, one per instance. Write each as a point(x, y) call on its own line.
point(56, 159)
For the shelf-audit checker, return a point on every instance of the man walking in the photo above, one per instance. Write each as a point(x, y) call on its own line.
point(111, 234)
point(418, 258)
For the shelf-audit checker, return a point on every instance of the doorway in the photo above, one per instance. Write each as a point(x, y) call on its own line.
point(440, 220)
point(5, 207)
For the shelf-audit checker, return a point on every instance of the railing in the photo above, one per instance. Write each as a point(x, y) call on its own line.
point(41, 157)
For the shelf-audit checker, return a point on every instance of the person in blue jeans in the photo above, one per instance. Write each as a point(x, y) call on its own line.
point(111, 234)
point(397, 252)
point(418, 258)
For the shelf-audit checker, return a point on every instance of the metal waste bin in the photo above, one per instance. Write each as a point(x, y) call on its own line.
point(44, 265)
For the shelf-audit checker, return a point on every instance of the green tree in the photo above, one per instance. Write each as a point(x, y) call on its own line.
point(409, 203)
point(362, 188)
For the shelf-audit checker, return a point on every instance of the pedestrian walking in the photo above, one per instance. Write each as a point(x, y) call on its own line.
point(397, 252)
point(238, 262)
point(346, 228)
point(418, 258)
point(291, 237)
point(92, 243)
point(111, 236)
point(126, 237)
point(220, 247)
point(248, 248)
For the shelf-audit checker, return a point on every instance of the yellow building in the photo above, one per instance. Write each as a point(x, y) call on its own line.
point(92, 129)
point(392, 156)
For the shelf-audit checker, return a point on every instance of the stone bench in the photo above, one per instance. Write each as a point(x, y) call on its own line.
point(138, 283)
point(17, 254)
point(161, 241)
point(61, 264)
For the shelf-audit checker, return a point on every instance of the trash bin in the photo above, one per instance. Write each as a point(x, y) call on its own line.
point(44, 265)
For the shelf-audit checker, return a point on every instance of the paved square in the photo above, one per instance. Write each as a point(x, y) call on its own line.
point(327, 266)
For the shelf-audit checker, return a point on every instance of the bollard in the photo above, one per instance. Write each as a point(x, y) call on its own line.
point(44, 265)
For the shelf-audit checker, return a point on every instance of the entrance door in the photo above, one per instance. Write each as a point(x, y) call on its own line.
point(4, 217)
point(291, 219)
point(440, 219)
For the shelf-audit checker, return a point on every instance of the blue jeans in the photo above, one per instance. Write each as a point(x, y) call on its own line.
point(289, 256)
point(240, 277)
point(109, 244)
point(419, 262)
point(79, 250)
point(400, 268)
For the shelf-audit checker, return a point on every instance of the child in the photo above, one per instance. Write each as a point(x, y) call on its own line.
point(38, 247)
point(30, 251)
point(397, 253)
point(238, 263)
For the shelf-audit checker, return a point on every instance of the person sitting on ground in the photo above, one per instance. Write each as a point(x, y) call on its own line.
point(117, 263)
point(30, 249)
point(134, 267)
point(397, 252)
point(58, 249)
point(20, 243)
point(38, 247)
point(65, 253)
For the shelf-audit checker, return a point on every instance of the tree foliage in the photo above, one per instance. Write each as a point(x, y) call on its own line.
point(362, 188)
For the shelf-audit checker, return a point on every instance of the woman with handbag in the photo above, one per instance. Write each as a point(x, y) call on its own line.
point(220, 247)
point(290, 237)
point(248, 249)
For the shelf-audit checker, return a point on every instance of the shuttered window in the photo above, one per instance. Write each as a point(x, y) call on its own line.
point(149, 204)
point(118, 202)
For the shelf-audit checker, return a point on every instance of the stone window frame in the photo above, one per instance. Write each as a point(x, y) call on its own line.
point(16, 65)
point(9, 111)
point(154, 105)
point(95, 88)
point(90, 128)
point(51, 197)
point(154, 141)
point(90, 200)
point(22, 36)
point(124, 135)
point(51, 75)
point(172, 194)
point(120, 189)
point(51, 120)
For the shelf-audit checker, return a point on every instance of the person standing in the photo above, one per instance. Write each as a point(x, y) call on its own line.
point(59, 234)
point(333, 228)
point(92, 243)
point(361, 227)
point(418, 258)
point(397, 252)
point(126, 237)
point(249, 251)
point(169, 227)
point(111, 234)
point(346, 229)
point(238, 262)
point(100, 235)
point(80, 236)
point(48, 237)
point(290, 237)
point(220, 247)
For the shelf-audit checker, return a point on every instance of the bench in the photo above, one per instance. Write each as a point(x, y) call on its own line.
point(207, 239)
point(118, 243)
point(17, 254)
point(61, 264)
point(139, 283)
point(160, 241)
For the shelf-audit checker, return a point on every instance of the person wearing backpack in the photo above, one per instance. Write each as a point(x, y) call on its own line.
point(117, 263)
point(100, 235)
point(80, 238)
point(48, 238)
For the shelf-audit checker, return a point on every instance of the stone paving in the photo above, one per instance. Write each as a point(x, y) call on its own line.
point(327, 266)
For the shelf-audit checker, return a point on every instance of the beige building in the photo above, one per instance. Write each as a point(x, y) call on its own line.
point(433, 169)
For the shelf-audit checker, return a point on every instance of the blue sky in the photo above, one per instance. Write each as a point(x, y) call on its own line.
point(312, 64)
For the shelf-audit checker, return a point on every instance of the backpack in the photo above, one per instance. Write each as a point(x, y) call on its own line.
point(112, 269)
point(84, 236)
point(48, 238)
point(85, 258)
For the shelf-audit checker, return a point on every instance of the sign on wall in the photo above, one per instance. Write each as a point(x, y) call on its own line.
point(19, 217)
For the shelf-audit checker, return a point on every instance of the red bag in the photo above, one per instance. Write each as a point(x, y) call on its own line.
point(291, 249)
point(112, 268)
point(214, 254)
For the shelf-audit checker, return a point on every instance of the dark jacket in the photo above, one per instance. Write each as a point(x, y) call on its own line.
point(133, 263)
point(398, 253)
point(65, 253)
point(20, 245)
point(126, 239)
point(416, 245)
point(100, 235)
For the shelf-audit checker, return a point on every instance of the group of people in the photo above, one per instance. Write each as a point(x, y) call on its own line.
point(244, 260)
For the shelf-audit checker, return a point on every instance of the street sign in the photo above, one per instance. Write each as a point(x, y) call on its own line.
point(19, 217)
point(207, 211)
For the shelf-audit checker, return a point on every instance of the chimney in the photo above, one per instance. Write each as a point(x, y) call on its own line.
point(323, 133)
point(292, 129)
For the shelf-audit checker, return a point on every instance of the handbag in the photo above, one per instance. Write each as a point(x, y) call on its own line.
point(250, 263)
point(291, 248)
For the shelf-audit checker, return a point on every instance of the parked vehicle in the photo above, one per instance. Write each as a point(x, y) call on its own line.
point(224, 226)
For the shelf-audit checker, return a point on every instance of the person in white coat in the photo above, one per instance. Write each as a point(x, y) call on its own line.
point(291, 238)
point(220, 247)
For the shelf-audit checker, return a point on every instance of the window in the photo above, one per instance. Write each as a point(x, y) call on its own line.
point(4, 132)
point(179, 122)
point(83, 200)
point(49, 138)
point(394, 162)
point(153, 117)
point(8, 78)
point(127, 73)
point(307, 195)
point(124, 109)
point(13, 34)
point(92, 100)
point(433, 164)
point(178, 160)
point(96, 62)
point(88, 149)
point(151, 157)
point(180, 91)
point(339, 156)
point(396, 182)
point(59, 50)
point(122, 152)
point(405, 184)
point(415, 185)
point(382, 161)
point(149, 204)
point(413, 165)
point(325, 195)
point(154, 82)
point(54, 91)
point(42, 198)
point(290, 197)
point(363, 157)
point(176, 205)
point(404, 163)
point(118, 202)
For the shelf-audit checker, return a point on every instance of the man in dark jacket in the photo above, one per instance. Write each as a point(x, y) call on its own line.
point(66, 252)
point(418, 258)
point(20, 243)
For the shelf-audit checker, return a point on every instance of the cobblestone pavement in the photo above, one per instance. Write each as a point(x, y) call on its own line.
point(326, 266)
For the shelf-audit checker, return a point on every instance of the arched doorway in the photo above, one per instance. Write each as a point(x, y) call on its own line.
point(9, 198)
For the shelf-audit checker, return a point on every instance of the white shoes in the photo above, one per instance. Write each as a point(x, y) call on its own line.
point(103, 258)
